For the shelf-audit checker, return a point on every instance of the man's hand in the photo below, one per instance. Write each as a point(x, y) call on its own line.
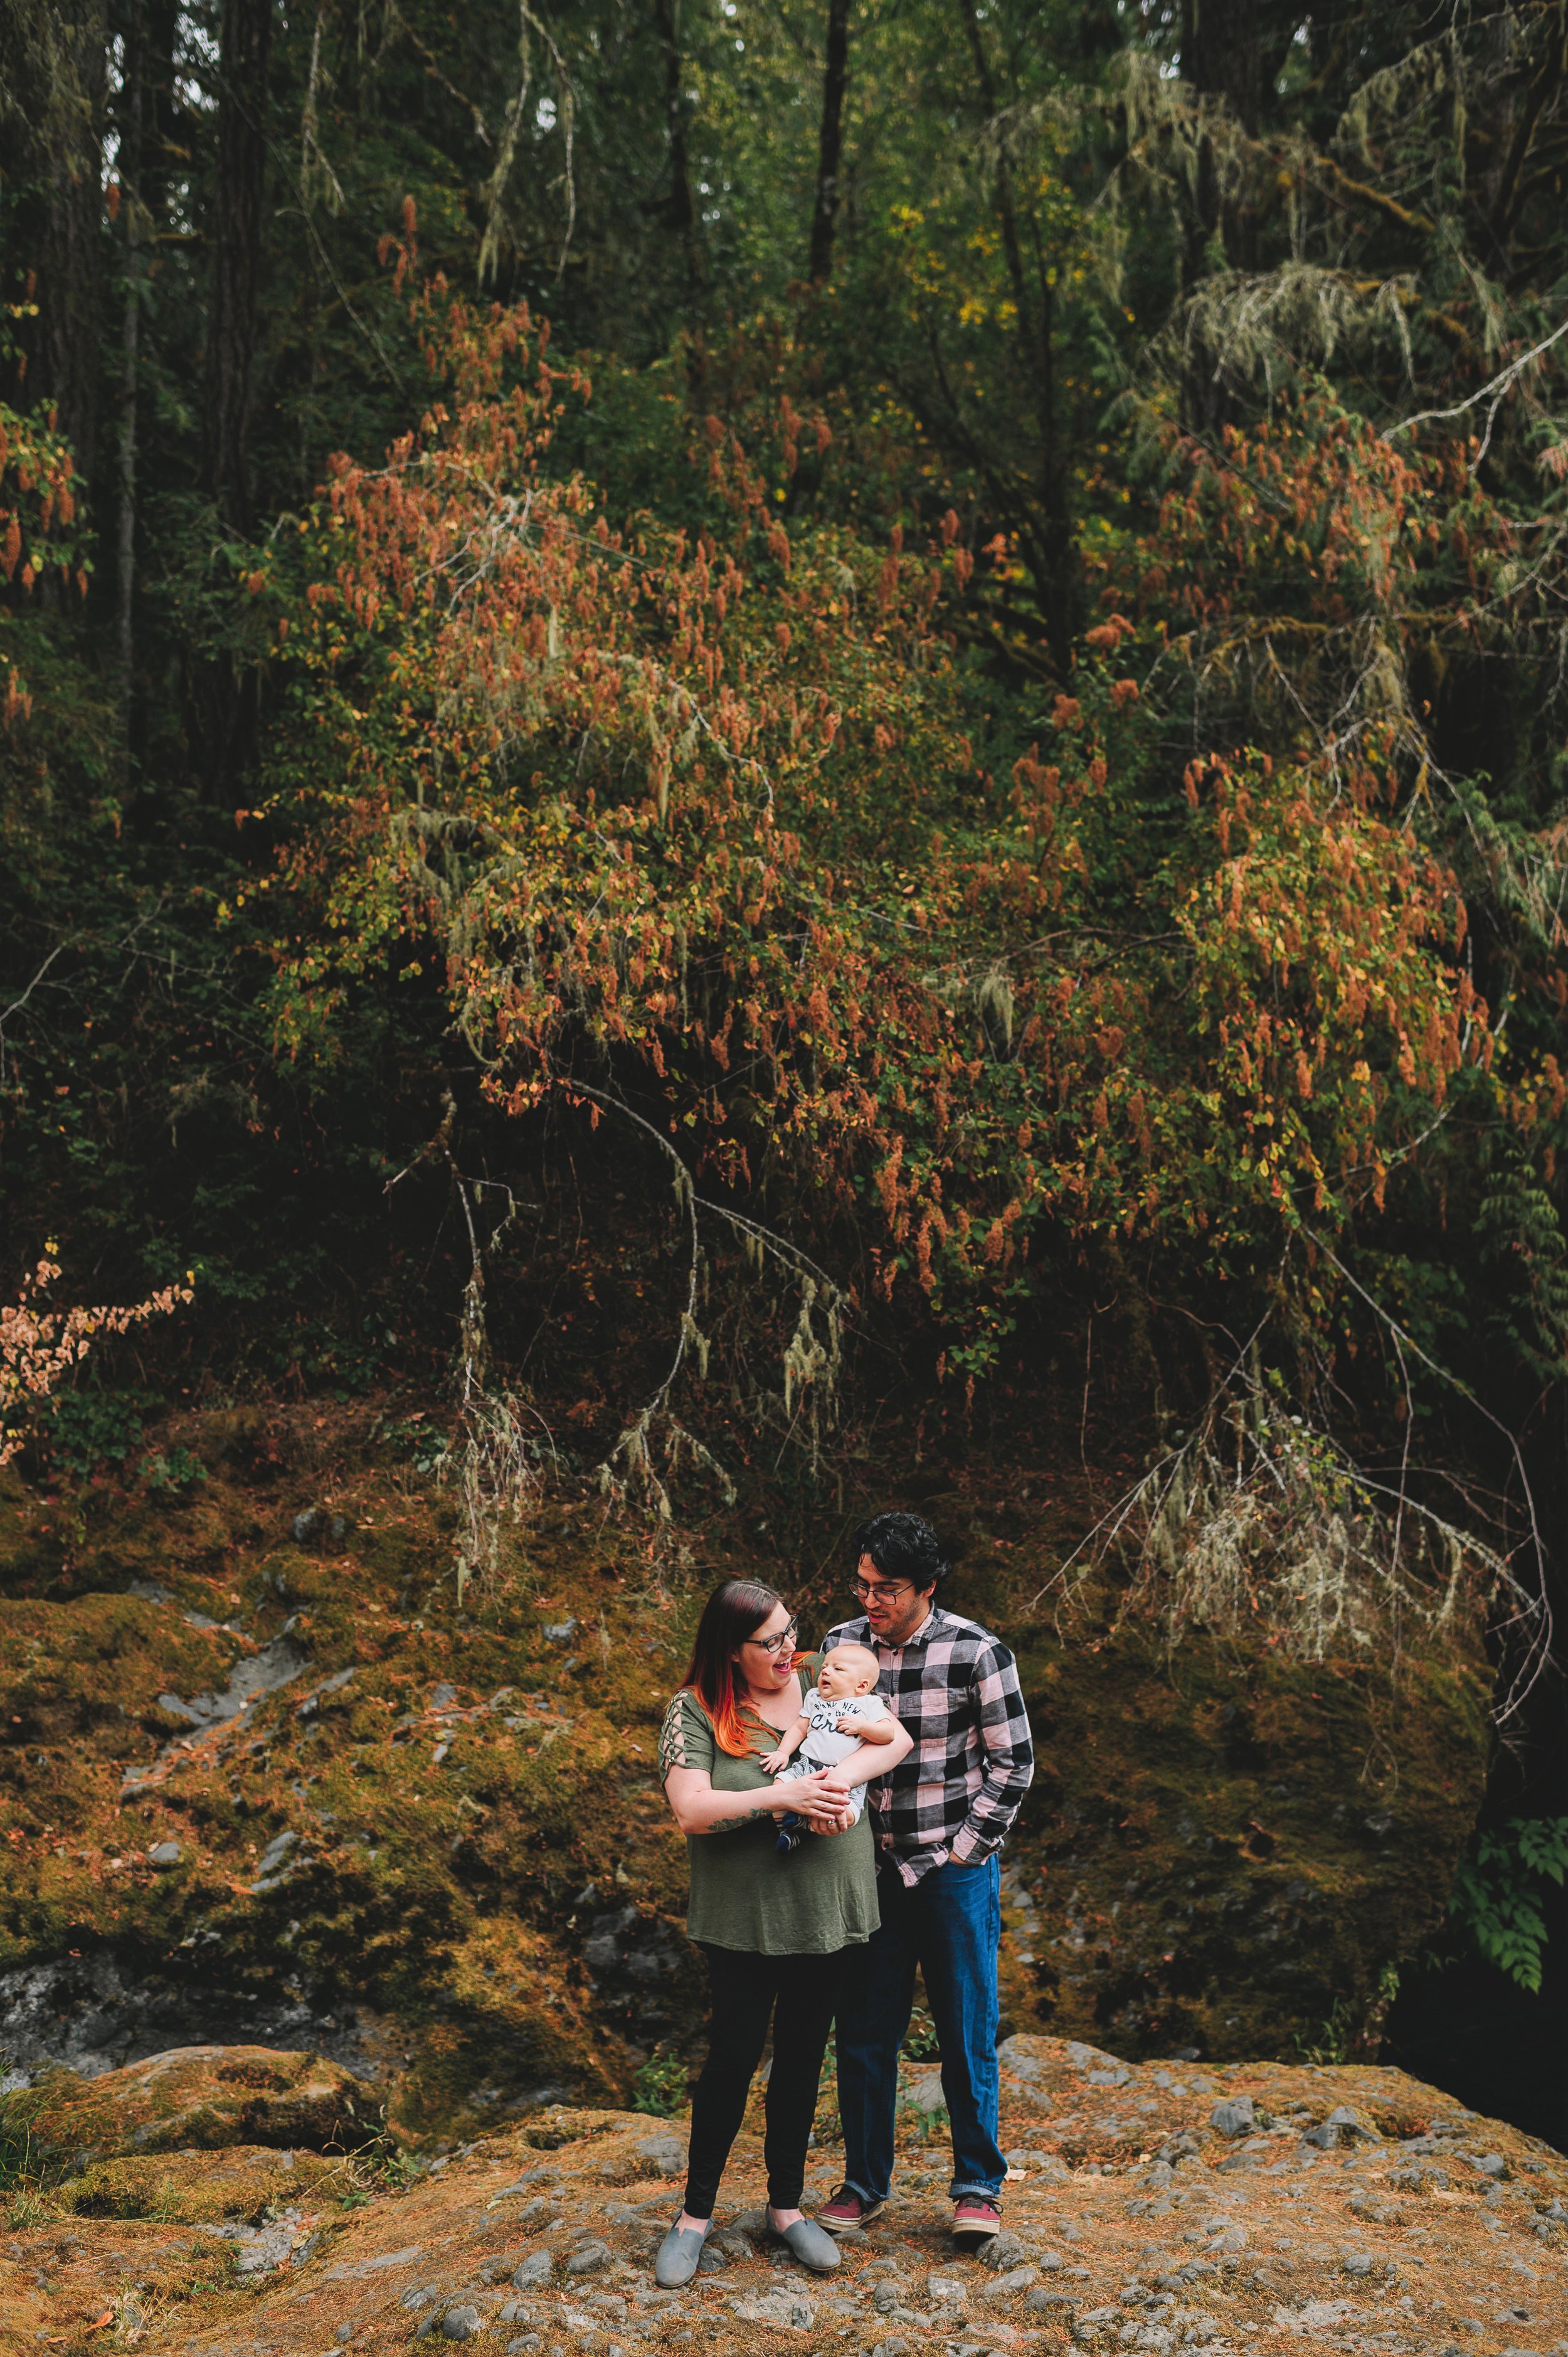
point(839, 1824)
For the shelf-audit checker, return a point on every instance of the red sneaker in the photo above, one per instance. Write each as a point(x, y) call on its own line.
point(848, 2210)
point(975, 2219)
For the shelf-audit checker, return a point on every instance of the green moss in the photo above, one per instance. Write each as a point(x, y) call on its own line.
point(200, 2098)
point(177, 2189)
point(1228, 1849)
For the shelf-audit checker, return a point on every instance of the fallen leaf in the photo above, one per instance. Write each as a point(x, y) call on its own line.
point(57, 2340)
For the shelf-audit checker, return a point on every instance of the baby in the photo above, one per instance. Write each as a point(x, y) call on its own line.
point(842, 1712)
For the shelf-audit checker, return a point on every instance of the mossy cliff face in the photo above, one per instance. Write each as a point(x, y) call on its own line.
point(263, 1780)
point(1228, 1857)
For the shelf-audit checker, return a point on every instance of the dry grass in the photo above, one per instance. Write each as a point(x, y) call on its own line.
point(1258, 1529)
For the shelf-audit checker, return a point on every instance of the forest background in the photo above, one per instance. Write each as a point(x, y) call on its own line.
point(741, 741)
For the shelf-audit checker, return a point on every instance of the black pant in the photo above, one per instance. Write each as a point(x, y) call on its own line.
point(800, 1993)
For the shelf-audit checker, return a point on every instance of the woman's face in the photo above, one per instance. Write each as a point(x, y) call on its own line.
point(764, 1668)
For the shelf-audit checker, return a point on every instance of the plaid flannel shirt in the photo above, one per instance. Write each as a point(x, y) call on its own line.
point(956, 1689)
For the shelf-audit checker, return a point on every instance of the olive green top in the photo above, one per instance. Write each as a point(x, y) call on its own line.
point(823, 1896)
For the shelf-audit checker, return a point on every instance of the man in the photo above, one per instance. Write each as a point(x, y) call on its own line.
point(939, 1819)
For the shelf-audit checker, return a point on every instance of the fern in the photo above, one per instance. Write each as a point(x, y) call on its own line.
point(1497, 1895)
point(1522, 1237)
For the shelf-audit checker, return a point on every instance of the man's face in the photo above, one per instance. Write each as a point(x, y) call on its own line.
point(894, 1608)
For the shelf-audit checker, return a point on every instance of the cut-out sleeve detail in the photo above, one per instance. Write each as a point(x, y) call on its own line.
point(673, 1738)
point(685, 1739)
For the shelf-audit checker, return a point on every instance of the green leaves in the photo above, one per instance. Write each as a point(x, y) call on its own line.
point(1497, 1896)
point(1521, 1231)
point(660, 2086)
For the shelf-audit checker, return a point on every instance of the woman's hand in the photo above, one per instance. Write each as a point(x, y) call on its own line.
point(698, 1809)
point(822, 1799)
point(823, 1796)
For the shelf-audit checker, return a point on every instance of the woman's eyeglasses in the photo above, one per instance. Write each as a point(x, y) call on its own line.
point(786, 1636)
point(877, 1595)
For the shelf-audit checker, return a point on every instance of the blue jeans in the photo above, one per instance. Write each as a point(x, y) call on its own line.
point(950, 1924)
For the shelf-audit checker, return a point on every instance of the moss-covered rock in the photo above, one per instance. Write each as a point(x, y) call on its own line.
point(1227, 1856)
point(193, 2189)
point(195, 2098)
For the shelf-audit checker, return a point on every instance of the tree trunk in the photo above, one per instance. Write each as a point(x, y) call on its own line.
point(1053, 558)
point(830, 144)
point(164, 131)
point(70, 284)
point(235, 234)
point(1222, 57)
point(1221, 54)
point(678, 209)
point(132, 205)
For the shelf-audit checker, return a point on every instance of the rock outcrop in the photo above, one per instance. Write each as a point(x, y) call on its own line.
point(197, 2098)
point(1256, 2208)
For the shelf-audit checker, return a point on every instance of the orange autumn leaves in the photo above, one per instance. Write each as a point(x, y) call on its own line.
point(38, 1346)
point(37, 500)
point(1322, 941)
point(719, 816)
point(40, 530)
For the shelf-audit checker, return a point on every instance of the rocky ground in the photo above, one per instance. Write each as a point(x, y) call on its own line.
point(194, 2203)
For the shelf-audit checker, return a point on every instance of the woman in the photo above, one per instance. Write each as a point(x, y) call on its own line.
point(775, 1930)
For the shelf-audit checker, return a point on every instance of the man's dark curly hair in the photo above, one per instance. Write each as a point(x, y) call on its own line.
point(902, 1546)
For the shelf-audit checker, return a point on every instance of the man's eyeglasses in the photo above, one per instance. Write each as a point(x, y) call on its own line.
point(785, 1638)
point(878, 1595)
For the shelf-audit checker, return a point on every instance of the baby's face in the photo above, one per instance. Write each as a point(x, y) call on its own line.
point(842, 1675)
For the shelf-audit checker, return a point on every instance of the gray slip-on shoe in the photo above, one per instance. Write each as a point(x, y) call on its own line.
point(811, 2246)
point(678, 2257)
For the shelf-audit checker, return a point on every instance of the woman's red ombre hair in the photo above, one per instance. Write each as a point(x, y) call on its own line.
point(735, 1611)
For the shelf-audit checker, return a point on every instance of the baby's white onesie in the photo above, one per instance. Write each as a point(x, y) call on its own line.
point(824, 1747)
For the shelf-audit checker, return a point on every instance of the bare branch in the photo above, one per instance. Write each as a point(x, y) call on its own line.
point(1494, 390)
point(18, 1004)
